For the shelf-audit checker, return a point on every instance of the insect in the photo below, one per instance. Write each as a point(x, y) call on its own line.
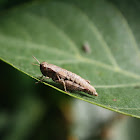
point(69, 80)
point(86, 48)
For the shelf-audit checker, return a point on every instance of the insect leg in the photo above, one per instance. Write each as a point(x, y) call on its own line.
point(47, 77)
point(88, 81)
point(64, 85)
point(41, 79)
point(73, 86)
point(63, 82)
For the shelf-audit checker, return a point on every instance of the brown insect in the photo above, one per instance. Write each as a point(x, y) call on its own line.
point(69, 80)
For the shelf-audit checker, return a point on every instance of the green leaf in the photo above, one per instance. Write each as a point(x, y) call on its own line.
point(56, 31)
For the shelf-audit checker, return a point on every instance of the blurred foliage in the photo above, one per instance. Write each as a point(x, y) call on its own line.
point(30, 111)
point(6, 4)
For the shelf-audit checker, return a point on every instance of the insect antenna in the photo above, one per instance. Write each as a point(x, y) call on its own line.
point(35, 64)
point(36, 60)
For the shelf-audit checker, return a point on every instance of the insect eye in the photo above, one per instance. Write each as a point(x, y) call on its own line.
point(42, 66)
